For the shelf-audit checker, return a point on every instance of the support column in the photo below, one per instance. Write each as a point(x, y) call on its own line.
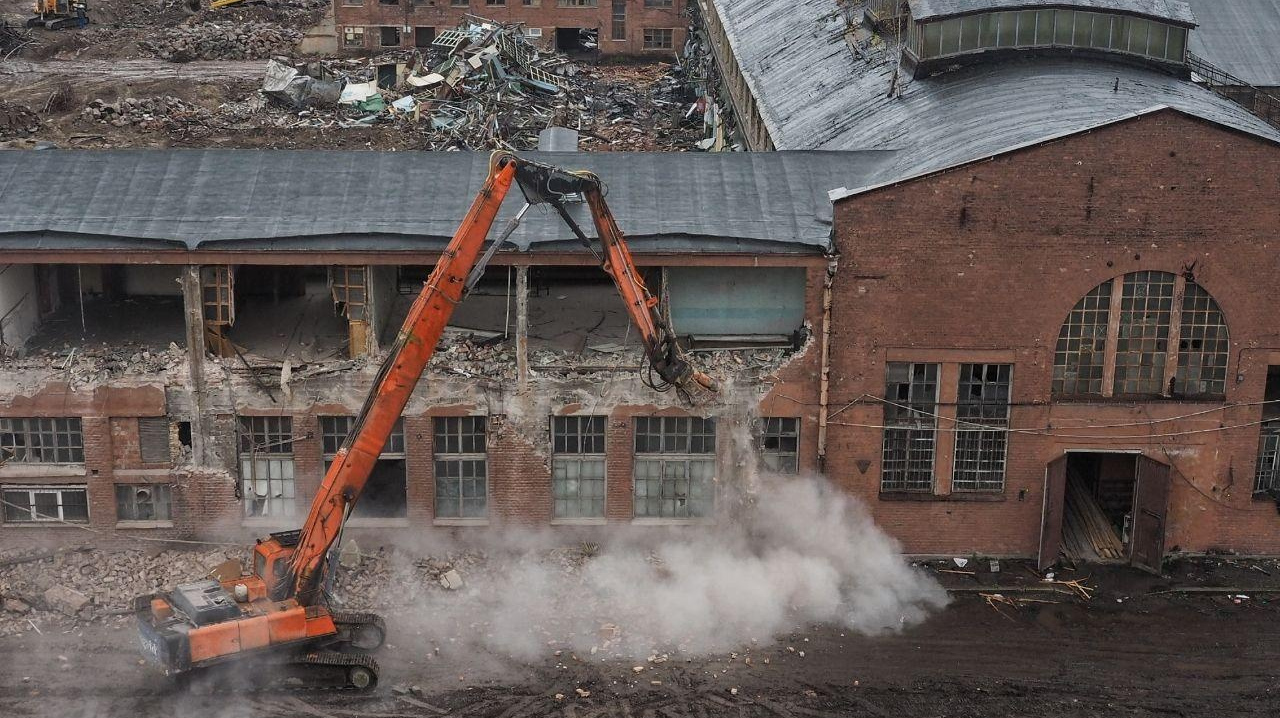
point(522, 327)
point(193, 313)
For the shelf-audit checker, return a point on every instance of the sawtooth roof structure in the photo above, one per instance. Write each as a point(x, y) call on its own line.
point(1172, 11)
point(1241, 37)
point(409, 201)
point(816, 88)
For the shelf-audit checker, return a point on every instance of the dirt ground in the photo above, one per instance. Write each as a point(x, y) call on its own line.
point(1135, 648)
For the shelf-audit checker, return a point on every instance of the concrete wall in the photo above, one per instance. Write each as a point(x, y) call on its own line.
point(19, 304)
point(156, 280)
point(984, 262)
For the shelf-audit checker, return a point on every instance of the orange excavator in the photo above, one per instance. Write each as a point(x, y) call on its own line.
point(279, 613)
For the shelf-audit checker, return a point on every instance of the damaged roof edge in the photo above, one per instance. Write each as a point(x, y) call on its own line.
point(840, 193)
point(1171, 11)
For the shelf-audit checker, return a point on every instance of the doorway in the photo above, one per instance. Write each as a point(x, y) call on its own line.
point(1105, 507)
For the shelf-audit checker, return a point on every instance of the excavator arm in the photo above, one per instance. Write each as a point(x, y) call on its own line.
point(293, 564)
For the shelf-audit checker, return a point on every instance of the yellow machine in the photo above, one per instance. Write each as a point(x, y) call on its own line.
point(57, 14)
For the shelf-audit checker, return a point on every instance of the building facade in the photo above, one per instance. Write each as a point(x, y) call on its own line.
point(653, 28)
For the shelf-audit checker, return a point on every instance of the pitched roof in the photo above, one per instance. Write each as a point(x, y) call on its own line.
point(397, 201)
point(1241, 37)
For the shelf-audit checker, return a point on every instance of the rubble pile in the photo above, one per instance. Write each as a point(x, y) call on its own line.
point(146, 113)
point(96, 364)
point(48, 588)
point(223, 41)
point(17, 121)
point(13, 40)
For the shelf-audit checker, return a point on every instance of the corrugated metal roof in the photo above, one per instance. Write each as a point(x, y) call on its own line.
point(282, 199)
point(1241, 37)
point(1175, 11)
point(814, 92)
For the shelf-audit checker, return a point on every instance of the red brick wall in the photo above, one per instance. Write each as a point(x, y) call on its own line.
point(546, 15)
point(984, 262)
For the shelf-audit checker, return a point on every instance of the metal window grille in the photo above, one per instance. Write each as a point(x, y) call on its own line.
point(1142, 345)
point(619, 31)
point(461, 467)
point(1203, 346)
point(153, 440)
point(778, 442)
point(578, 466)
point(143, 502)
point(674, 468)
point(910, 432)
point(576, 3)
point(980, 455)
point(1268, 475)
point(1082, 345)
point(266, 465)
point(334, 431)
point(659, 38)
point(53, 504)
point(42, 441)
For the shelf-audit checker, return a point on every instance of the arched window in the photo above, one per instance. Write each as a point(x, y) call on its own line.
point(1141, 334)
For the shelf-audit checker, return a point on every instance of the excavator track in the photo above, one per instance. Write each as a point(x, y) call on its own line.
point(361, 631)
point(344, 671)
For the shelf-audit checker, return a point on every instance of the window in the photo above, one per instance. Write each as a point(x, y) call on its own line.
point(353, 3)
point(619, 29)
point(657, 3)
point(153, 440)
point(266, 465)
point(779, 444)
point(577, 466)
point(46, 504)
point(1144, 309)
point(1048, 28)
point(495, 2)
point(532, 3)
point(423, 36)
point(385, 492)
point(656, 38)
point(460, 462)
point(353, 37)
point(143, 502)
point(911, 394)
point(1268, 475)
point(575, 3)
point(982, 420)
point(532, 32)
point(459, 3)
point(41, 441)
point(389, 36)
point(674, 466)
point(388, 2)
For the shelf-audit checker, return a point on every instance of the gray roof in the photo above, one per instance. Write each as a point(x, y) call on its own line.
point(1174, 11)
point(1241, 37)
point(814, 92)
point(396, 201)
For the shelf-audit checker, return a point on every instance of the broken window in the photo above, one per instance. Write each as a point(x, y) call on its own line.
point(910, 433)
point(778, 441)
point(459, 3)
point(619, 27)
point(423, 36)
point(575, 3)
point(143, 502)
point(266, 465)
point(153, 439)
point(41, 441)
point(389, 36)
point(385, 491)
point(1202, 346)
point(1267, 478)
point(1142, 345)
point(353, 37)
point(46, 504)
point(578, 466)
point(1082, 345)
point(462, 489)
point(674, 466)
point(659, 38)
point(982, 422)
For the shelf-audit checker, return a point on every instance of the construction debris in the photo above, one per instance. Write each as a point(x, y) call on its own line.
point(17, 121)
point(153, 113)
point(223, 41)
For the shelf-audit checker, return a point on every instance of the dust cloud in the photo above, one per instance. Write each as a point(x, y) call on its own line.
point(791, 552)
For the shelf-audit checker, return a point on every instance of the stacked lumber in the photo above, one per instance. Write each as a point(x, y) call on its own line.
point(1086, 532)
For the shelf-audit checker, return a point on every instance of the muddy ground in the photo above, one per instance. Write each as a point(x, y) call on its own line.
point(1135, 648)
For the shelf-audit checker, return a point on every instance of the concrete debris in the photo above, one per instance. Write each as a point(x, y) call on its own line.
point(222, 41)
point(16, 605)
point(153, 113)
point(87, 364)
point(17, 121)
point(451, 580)
point(349, 554)
point(65, 600)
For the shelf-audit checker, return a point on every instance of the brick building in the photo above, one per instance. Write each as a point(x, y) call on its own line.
point(614, 27)
point(184, 363)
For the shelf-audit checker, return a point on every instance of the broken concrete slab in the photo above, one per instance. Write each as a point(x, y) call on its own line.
point(65, 600)
point(451, 580)
point(15, 605)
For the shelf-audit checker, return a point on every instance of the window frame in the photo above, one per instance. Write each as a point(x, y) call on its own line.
point(564, 457)
point(158, 491)
point(34, 431)
point(1266, 476)
point(466, 458)
point(271, 454)
point(986, 421)
point(907, 423)
point(42, 519)
point(775, 428)
point(661, 449)
point(655, 44)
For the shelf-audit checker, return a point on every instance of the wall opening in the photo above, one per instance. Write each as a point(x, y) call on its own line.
point(1098, 515)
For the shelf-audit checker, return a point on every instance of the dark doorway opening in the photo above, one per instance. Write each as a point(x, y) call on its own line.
point(577, 40)
point(423, 36)
point(1099, 506)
